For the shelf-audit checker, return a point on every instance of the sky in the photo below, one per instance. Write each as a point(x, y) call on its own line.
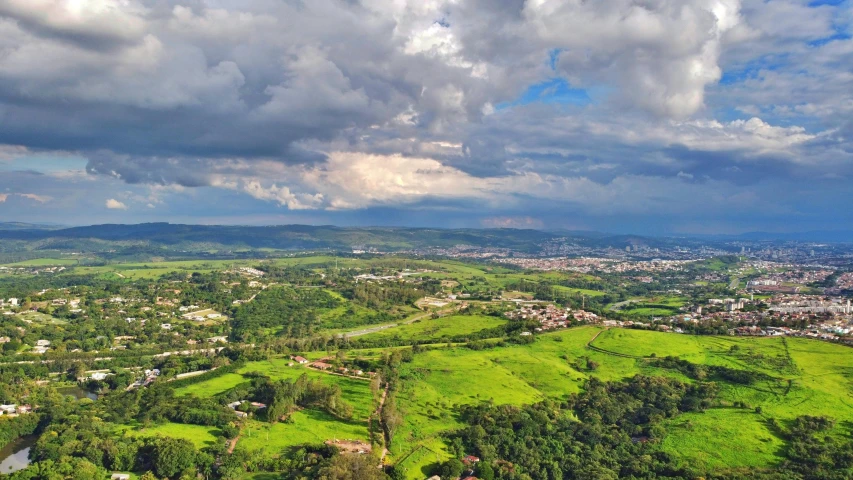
point(628, 116)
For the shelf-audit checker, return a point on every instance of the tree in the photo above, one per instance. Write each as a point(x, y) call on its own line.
point(451, 469)
point(172, 456)
point(485, 471)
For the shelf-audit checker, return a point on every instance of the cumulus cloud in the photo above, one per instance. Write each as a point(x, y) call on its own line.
point(93, 23)
point(662, 54)
point(29, 196)
point(114, 204)
point(331, 106)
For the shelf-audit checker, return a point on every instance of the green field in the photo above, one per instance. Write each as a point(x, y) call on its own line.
point(723, 438)
point(305, 426)
point(355, 391)
point(43, 262)
point(641, 344)
point(439, 380)
point(435, 329)
point(213, 386)
point(579, 291)
point(199, 435)
point(40, 318)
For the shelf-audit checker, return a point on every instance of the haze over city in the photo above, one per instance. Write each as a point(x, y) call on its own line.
point(656, 117)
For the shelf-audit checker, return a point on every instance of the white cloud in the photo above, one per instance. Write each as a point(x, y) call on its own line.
point(661, 54)
point(102, 20)
point(114, 204)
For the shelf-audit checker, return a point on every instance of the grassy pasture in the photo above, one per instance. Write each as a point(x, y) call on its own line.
point(800, 377)
point(428, 328)
point(200, 436)
point(356, 392)
point(820, 374)
point(723, 438)
point(641, 343)
point(43, 262)
point(305, 426)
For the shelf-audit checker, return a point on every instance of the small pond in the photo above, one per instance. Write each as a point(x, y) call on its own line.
point(16, 455)
point(77, 393)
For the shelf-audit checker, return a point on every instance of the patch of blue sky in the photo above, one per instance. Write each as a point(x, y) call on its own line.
point(832, 38)
point(553, 57)
point(553, 91)
point(43, 164)
point(751, 69)
point(820, 3)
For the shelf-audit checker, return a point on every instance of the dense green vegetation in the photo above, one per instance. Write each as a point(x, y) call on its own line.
point(415, 355)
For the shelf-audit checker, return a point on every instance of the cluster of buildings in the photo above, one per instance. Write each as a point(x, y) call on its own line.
point(12, 302)
point(842, 283)
point(13, 410)
point(148, 378)
point(793, 276)
point(592, 264)
point(460, 251)
point(816, 332)
point(30, 270)
point(810, 304)
point(552, 317)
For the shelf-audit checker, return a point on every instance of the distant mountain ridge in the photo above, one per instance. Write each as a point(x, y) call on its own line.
point(167, 237)
point(28, 226)
point(287, 236)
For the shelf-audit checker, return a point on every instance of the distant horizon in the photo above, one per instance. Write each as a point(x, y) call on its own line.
point(769, 235)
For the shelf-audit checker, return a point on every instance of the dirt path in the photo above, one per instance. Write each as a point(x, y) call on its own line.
point(378, 414)
point(233, 444)
point(589, 343)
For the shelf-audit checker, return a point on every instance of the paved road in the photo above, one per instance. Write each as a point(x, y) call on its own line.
point(734, 284)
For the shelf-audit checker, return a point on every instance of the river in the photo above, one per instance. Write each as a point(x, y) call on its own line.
point(15, 455)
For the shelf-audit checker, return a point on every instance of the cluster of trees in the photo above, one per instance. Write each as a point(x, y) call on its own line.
point(85, 444)
point(711, 372)
point(158, 403)
point(386, 294)
point(282, 396)
point(16, 427)
point(608, 439)
point(293, 310)
point(813, 453)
